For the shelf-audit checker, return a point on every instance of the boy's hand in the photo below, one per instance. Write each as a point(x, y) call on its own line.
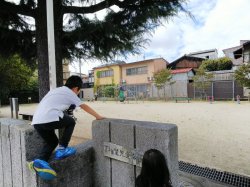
point(100, 118)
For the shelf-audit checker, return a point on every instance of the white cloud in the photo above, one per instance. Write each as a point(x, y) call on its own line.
point(225, 25)
point(218, 24)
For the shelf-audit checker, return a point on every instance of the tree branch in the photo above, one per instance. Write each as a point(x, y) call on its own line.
point(7, 7)
point(96, 7)
point(108, 3)
point(89, 9)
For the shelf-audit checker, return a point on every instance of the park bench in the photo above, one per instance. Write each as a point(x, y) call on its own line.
point(26, 116)
point(181, 99)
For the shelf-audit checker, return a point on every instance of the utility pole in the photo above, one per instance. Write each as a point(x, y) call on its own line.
point(51, 43)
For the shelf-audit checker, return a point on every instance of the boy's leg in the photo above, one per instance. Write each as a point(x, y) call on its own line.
point(63, 151)
point(68, 123)
point(49, 137)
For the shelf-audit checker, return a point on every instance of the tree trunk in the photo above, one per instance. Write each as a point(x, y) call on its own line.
point(58, 22)
point(42, 46)
point(42, 49)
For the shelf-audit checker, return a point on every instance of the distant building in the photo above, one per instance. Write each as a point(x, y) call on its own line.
point(186, 62)
point(246, 52)
point(108, 74)
point(181, 79)
point(243, 52)
point(66, 72)
point(206, 54)
point(136, 77)
point(236, 53)
point(91, 78)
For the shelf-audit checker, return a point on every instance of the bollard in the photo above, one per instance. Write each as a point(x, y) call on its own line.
point(14, 106)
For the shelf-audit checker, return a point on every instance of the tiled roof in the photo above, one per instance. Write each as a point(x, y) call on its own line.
point(184, 70)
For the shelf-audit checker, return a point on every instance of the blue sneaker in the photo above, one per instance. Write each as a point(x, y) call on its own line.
point(43, 169)
point(64, 152)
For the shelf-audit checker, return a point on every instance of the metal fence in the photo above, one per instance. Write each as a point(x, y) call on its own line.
point(220, 90)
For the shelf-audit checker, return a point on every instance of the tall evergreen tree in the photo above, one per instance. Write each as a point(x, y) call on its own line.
point(76, 35)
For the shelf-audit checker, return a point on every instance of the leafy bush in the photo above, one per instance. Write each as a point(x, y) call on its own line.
point(242, 75)
point(219, 64)
point(109, 91)
point(15, 76)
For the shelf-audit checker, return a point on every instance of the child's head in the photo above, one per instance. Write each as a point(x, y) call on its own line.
point(74, 81)
point(154, 170)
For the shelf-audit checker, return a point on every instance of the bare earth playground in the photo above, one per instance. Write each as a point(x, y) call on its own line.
point(210, 135)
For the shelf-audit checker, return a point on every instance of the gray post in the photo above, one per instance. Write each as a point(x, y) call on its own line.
point(194, 91)
point(233, 90)
point(212, 89)
point(51, 44)
point(14, 107)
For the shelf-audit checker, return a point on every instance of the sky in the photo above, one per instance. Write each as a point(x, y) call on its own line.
point(218, 24)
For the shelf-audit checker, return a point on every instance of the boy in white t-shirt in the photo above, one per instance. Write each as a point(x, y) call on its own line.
point(50, 116)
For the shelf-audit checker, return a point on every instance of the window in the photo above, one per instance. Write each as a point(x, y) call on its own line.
point(135, 90)
point(106, 73)
point(137, 71)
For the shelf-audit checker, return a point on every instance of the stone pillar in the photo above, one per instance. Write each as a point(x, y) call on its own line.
point(131, 137)
point(20, 143)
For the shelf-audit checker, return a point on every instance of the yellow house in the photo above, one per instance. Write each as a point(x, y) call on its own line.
point(108, 74)
point(136, 77)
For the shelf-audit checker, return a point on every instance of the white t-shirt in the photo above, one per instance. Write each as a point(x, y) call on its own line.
point(53, 104)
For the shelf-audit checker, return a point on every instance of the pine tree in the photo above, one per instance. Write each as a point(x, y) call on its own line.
point(76, 35)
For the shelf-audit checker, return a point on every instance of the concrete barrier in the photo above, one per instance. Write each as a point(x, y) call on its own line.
point(112, 159)
point(134, 138)
point(92, 165)
point(20, 143)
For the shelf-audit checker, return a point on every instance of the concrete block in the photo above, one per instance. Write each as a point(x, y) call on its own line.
point(21, 143)
point(31, 144)
point(6, 145)
point(16, 156)
point(6, 155)
point(76, 170)
point(100, 134)
point(1, 159)
point(122, 134)
point(162, 137)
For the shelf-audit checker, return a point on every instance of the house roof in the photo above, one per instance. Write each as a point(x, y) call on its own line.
point(122, 63)
point(204, 51)
point(143, 61)
point(246, 44)
point(184, 70)
point(231, 49)
point(191, 58)
point(110, 64)
point(238, 53)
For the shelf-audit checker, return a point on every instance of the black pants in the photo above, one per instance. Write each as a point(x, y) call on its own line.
point(47, 132)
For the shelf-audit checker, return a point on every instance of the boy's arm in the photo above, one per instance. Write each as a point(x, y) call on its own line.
point(91, 111)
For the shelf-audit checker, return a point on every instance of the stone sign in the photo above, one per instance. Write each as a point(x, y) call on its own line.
point(122, 154)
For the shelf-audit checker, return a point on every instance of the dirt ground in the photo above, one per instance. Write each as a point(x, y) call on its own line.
point(211, 135)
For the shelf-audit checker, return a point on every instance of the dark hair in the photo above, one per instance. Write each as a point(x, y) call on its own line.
point(154, 171)
point(74, 81)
